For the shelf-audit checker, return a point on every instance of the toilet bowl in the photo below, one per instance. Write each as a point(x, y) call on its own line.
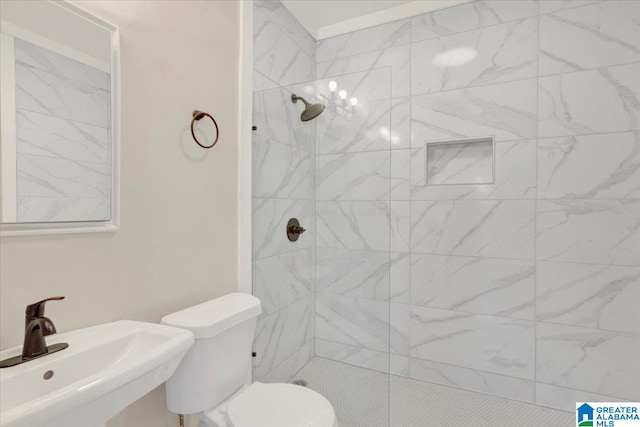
point(212, 379)
point(272, 405)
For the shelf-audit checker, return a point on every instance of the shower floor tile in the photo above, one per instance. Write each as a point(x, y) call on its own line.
point(366, 398)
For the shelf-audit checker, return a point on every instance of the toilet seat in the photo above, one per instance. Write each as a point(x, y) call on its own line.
point(280, 405)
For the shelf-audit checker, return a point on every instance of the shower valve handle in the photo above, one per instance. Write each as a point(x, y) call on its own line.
point(296, 229)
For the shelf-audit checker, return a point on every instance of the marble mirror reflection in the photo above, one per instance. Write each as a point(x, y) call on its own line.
point(57, 109)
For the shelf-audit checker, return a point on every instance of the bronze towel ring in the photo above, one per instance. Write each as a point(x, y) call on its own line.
point(197, 115)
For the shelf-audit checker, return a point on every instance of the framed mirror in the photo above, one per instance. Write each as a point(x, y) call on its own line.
point(59, 119)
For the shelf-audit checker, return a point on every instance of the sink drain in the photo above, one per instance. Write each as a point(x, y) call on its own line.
point(47, 375)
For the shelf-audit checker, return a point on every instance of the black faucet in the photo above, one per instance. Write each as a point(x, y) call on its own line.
point(37, 326)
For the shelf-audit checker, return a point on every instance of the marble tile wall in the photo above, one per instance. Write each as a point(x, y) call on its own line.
point(63, 143)
point(357, 222)
point(283, 157)
point(528, 287)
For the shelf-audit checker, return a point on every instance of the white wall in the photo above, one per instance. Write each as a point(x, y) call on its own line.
point(177, 244)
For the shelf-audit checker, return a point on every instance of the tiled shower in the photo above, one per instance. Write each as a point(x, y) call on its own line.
point(474, 220)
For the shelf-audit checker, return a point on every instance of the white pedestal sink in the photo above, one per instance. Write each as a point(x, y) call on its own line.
point(105, 369)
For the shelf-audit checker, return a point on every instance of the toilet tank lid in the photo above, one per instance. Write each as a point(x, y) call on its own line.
point(215, 316)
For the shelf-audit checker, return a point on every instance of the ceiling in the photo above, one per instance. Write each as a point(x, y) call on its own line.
point(328, 18)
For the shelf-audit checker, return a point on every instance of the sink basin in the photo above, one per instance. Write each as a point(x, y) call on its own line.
point(106, 368)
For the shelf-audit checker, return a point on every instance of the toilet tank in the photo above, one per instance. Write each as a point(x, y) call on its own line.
point(219, 362)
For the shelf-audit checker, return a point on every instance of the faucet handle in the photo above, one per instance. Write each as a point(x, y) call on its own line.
point(37, 308)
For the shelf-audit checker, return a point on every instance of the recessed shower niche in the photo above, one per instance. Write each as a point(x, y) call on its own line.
point(461, 161)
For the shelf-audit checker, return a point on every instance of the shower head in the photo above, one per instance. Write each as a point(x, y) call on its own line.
point(311, 111)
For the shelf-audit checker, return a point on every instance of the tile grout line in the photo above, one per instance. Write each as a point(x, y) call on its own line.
point(390, 186)
point(535, 218)
point(532, 259)
point(519, 80)
point(502, 141)
point(532, 320)
point(410, 256)
point(559, 199)
point(315, 215)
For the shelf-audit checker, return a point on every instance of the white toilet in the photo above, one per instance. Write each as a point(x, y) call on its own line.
point(213, 379)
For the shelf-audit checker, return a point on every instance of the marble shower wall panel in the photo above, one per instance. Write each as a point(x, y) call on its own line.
point(353, 176)
point(565, 167)
point(400, 123)
point(550, 6)
point(400, 174)
point(486, 343)
point(589, 231)
point(471, 16)
point(270, 217)
point(589, 295)
point(503, 53)
point(400, 277)
point(291, 365)
point(353, 321)
point(480, 276)
point(63, 144)
point(499, 229)
point(276, 52)
point(588, 246)
point(359, 225)
point(589, 102)
point(400, 226)
point(573, 357)
point(506, 111)
point(472, 379)
point(609, 29)
point(490, 286)
point(563, 397)
point(277, 15)
point(367, 40)
point(283, 174)
point(278, 119)
point(282, 334)
point(280, 170)
point(281, 280)
point(396, 57)
point(353, 273)
point(337, 134)
point(353, 355)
